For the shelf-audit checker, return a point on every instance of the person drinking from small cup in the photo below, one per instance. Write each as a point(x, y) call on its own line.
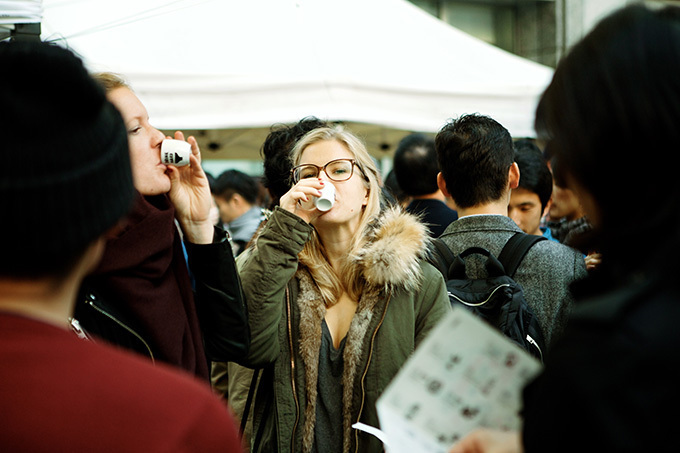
point(142, 297)
point(337, 299)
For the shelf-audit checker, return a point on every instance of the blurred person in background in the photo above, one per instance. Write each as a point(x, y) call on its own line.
point(236, 194)
point(416, 170)
point(531, 200)
point(611, 111)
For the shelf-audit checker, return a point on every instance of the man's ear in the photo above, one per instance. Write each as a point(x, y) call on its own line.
point(442, 184)
point(513, 176)
point(236, 199)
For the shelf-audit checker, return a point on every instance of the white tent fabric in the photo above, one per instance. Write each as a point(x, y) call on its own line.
point(14, 12)
point(213, 64)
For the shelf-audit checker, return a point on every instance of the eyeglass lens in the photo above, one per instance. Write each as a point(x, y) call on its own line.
point(336, 170)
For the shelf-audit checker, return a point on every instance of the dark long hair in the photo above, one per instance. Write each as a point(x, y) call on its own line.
point(611, 120)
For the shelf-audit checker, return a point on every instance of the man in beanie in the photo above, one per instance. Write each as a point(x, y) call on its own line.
point(65, 158)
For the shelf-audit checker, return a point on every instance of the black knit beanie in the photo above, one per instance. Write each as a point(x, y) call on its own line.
point(65, 174)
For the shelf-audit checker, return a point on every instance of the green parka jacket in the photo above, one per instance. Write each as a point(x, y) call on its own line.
point(404, 298)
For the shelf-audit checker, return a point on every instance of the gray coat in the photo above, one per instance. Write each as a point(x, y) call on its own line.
point(545, 273)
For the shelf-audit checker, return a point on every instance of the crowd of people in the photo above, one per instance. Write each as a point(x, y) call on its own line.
point(167, 310)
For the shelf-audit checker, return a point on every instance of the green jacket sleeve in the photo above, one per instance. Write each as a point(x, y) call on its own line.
point(265, 272)
point(433, 302)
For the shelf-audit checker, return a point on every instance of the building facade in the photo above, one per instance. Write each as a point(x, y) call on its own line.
point(540, 30)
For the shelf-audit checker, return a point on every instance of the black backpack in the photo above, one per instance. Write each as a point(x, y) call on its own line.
point(498, 299)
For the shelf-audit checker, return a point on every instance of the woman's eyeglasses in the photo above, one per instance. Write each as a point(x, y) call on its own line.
point(336, 170)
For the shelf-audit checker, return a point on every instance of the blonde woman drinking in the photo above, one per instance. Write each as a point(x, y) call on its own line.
point(337, 299)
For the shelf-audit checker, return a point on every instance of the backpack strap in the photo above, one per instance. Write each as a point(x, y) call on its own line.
point(441, 257)
point(515, 249)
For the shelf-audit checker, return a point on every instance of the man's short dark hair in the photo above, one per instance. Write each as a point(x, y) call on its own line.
point(475, 153)
point(415, 165)
point(534, 174)
point(232, 182)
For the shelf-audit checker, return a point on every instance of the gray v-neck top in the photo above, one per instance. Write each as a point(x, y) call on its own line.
point(328, 426)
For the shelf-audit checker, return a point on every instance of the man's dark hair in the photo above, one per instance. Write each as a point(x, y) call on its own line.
point(392, 190)
point(276, 154)
point(475, 153)
point(232, 182)
point(211, 181)
point(534, 174)
point(415, 165)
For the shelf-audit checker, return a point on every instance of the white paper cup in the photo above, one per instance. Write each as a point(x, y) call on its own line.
point(327, 198)
point(322, 203)
point(175, 152)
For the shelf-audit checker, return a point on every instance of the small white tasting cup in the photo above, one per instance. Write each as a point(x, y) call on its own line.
point(327, 198)
point(322, 203)
point(175, 152)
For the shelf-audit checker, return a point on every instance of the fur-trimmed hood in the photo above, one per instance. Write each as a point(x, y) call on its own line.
point(397, 242)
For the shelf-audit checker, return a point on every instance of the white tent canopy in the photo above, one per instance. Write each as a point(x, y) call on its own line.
point(20, 12)
point(224, 64)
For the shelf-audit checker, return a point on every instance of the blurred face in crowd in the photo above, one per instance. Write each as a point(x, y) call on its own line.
point(148, 172)
point(525, 210)
point(232, 208)
point(214, 212)
point(565, 204)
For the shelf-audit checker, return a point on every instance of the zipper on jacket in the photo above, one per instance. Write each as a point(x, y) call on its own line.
point(363, 376)
point(121, 324)
point(292, 373)
point(535, 344)
point(78, 330)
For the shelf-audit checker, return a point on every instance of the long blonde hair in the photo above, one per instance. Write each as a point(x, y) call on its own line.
point(313, 255)
point(110, 81)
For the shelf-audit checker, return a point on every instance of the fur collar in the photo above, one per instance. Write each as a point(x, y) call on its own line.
point(397, 241)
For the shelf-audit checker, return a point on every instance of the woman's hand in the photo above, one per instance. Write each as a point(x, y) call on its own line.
point(190, 194)
point(302, 193)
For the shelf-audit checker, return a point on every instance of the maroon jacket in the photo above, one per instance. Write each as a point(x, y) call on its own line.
point(60, 393)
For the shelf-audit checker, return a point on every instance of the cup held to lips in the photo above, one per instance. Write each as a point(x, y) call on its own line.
point(327, 198)
point(175, 152)
point(322, 203)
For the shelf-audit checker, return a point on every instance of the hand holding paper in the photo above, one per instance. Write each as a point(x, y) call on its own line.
point(464, 376)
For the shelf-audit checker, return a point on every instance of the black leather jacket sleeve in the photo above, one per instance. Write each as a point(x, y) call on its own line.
point(219, 299)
